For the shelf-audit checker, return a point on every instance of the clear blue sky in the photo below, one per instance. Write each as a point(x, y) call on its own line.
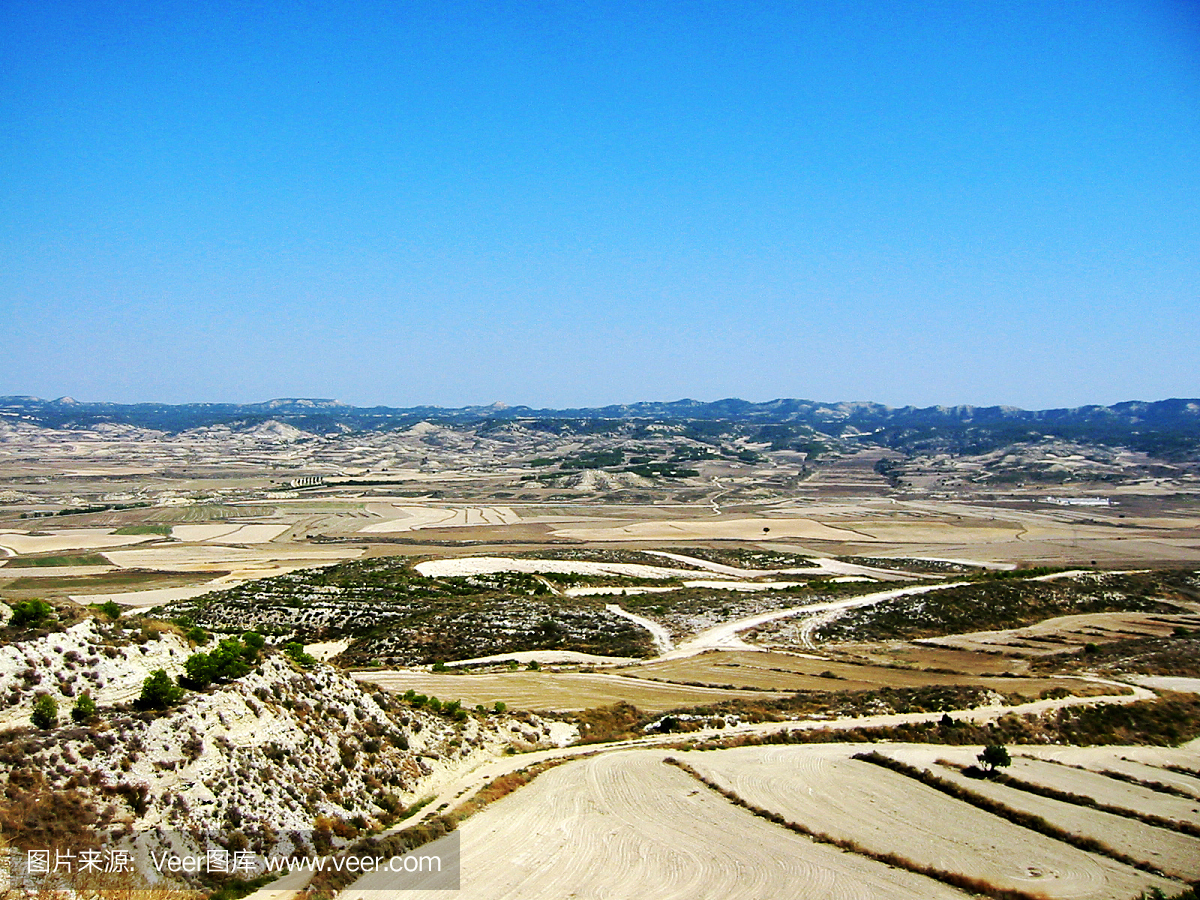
point(578, 203)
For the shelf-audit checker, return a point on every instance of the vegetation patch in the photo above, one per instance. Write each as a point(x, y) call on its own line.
point(749, 558)
point(1176, 654)
point(68, 559)
point(151, 528)
point(396, 616)
point(997, 604)
point(909, 564)
point(1165, 721)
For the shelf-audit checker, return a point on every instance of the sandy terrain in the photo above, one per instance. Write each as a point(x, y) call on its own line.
point(414, 518)
point(709, 529)
point(820, 566)
point(155, 597)
point(822, 788)
point(21, 543)
point(204, 531)
point(16, 570)
point(788, 672)
point(1109, 791)
point(753, 585)
point(226, 533)
point(552, 690)
point(483, 565)
point(549, 657)
point(208, 557)
point(625, 825)
point(324, 650)
point(1168, 683)
point(1144, 763)
point(119, 678)
point(608, 591)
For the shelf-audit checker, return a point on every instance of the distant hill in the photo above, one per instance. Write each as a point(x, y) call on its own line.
point(1163, 427)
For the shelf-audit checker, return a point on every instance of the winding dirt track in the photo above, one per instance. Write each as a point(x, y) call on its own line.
point(660, 635)
point(725, 636)
point(624, 825)
point(823, 788)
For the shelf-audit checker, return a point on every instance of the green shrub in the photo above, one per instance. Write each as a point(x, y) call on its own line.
point(29, 613)
point(45, 712)
point(252, 644)
point(110, 608)
point(295, 652)
point(159, 691)
point(200, 670)
point(225, 662)
point(84, 710)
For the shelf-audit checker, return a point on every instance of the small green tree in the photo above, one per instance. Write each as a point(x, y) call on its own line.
point(252, 644)
point(110, 608)
point(994, 756)
point(84, 710)
point(159, 691)
point(45, 712)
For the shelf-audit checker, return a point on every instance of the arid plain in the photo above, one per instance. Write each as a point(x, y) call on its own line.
point(763, 593)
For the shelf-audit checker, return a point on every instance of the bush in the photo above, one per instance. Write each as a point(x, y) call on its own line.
point(84, 710)
point(110, 608)
point(295, 652)
point(29, 613)
point(230, 659)
point(159, 691)
point(45, 712)
point(199, 670)
point(252, 642)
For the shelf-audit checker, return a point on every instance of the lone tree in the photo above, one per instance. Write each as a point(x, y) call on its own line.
point(994, 756)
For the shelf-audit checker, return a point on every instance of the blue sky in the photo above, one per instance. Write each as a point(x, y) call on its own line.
point(563, 204)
